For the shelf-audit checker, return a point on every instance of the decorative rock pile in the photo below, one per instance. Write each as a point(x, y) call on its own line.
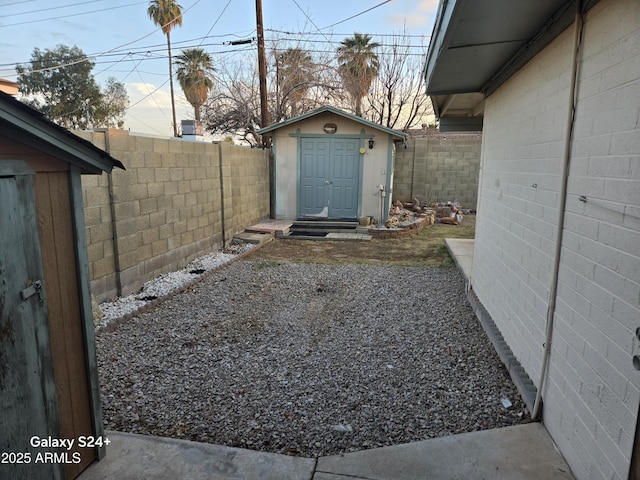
point(402, 213)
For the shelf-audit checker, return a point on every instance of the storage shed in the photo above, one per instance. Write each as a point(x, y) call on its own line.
point(49, 387)
point(331, 164)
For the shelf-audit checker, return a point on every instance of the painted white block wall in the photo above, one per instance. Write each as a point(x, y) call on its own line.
point(592, 393)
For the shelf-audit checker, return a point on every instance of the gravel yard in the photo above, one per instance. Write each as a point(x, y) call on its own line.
point(308, 360)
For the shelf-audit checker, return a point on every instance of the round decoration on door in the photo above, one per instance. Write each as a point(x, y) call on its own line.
point(330, 128)
point(362, 150)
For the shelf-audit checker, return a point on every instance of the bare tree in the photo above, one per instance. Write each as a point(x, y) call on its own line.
point(234, 108)
point(397, 98)
point(298, 81)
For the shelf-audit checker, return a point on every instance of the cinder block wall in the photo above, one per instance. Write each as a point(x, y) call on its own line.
point(592, 394)
point(166, 208)
point(439, 167)
point(248, 172)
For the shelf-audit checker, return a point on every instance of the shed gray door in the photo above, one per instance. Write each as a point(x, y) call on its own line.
point(329, 177)
point(27, 389)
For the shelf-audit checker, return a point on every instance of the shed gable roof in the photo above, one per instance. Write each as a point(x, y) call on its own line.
point(26, 125)
point(336, 111)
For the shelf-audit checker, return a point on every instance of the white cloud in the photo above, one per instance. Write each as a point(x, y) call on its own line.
point(402, 20)
point(151, 109)
point(421, 15)
point(149, 95)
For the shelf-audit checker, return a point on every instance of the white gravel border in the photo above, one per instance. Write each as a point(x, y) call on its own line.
point(168, 284)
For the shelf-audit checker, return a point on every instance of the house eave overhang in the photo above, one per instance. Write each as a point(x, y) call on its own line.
point(312, 113)
point(28, 126)
point(477, 45)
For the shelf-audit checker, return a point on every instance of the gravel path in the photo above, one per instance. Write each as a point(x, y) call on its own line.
point(307, 360)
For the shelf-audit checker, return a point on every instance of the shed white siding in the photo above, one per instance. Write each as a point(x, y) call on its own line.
point(592, 394)
point(375, 168)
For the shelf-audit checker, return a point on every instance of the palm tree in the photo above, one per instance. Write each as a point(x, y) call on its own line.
point(295, 72)
point(358, 66)
point(167, 14)
point(193, 73)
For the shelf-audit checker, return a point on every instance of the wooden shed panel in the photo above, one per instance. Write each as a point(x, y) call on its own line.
point(37, 160)
point(65, 323)
point(27, 389)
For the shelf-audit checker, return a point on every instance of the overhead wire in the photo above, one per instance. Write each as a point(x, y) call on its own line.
point(149, 94)
point(102, 57)
point(17, 3)
point(86, 58)
point(115, 48)
point(356, 15)
point(308, 18)
point(57, 7)
point(287, 32)
point(70, 15)
point(146, 125)
point(216, 21)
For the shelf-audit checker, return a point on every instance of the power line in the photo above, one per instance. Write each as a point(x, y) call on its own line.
point(115, 48)
point(155, 47)
point(57, 7)
point(145, 124)
point(217, 20)
point(17, 3)
point(71, 15)
point(356, 15)
point(379, 54)
point(286, 32)
point(149, 94)
point(150, 55)
point(309, 18)
point(335, 42)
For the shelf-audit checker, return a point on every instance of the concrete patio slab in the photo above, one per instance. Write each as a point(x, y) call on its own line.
point(138, 457)
point(521, 452)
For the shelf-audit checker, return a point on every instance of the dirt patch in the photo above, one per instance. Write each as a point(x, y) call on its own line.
point(425, 248)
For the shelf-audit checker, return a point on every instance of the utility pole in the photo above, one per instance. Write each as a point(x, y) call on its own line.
point(262, 71)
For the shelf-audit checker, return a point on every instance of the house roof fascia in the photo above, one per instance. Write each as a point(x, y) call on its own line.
point(29, 126)
point(443, 19)
point(555, 25)
point(447, 22)
point(336, 111)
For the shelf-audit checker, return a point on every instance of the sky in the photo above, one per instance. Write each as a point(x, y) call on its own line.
point(124, 43)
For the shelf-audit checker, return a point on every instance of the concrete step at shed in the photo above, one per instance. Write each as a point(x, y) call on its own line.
point(321, 227)
point(278, 227)
point(253, 237)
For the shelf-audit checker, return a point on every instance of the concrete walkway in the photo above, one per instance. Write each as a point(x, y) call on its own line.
point(521, 452)
point(461, 250)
